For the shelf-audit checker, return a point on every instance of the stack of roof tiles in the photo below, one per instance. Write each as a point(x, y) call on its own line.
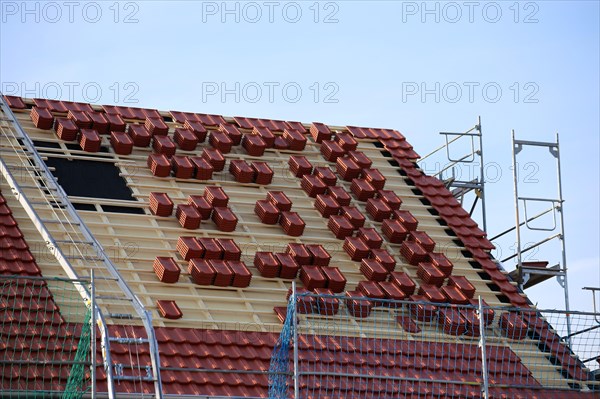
point(218, 262)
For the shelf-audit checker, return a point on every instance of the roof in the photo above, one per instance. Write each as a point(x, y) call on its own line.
point(166, 192)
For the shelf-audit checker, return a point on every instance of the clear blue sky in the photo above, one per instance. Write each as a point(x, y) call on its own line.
point(419, 68)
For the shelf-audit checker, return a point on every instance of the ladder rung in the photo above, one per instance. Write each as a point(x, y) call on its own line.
point(75, 242)
point(132, 378)
point(47, 203)
point(126, 340)
point(120, 315)
point(84, 258)
point(59, 221)
point(37, 187)
point(113, 298)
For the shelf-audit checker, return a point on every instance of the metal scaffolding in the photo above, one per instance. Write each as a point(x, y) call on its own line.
point(460, 188)
point(527, 273)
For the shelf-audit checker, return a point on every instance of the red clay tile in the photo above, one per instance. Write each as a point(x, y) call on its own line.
point(356, 248)
point(197, 128)
point(422, 311)
point(241, 275)
point(370, 236)
point(403, 281)
point(390, 198)
point(299, 165)
point(299, 252)
point(267, 212)
point(430, 274)
point(81, 119)
point(189, 247)
point(319, 132)
point(201, 272)
point(280, 200)
point(182, 166)
point(454, 295)
point(336, 282)
point(220, 141)
point(392, 291)
point(65, 129)
point(295, 139)
point(131, 112)
point(361, 159)
point(121, 143)
point(374, 177)
point(216, 196)
point(15, 102)
point(378, 209)
point(326, 205)
point(267, 264)
point(188, 216)
point(340, 195)
point(254, 145)
point(432, 293)
point(163, 145)
point(319, 256)
point(169, 309)
point(346, 141)
point(384, 257)
point(89, 140)
point(115, 123)
point(423, 239)
point(406, 218)
point(371, 290)
point(463, 284)
point(159, 164)
point(362, 189)
point(224, 275)
point(373, 270)
point(204, 119)
point(441, 262)
point(203, 170)
point(241, 171)
point(313, 185)
point(185, 139)
point(224, 218)
point(340, 226)
point(249, 123)
point(292, 223)
point(354, 216)
point(331, 150)
point(394, 231)
point(156, 126)
point(212, 249)
point(347, 168)
point(263, 174)
point(289, 266)
point(312, 277)
point(358, 305)
point(512, 325)
point(203, 207)
point(166, 269)
point(325, 304)
point(408, 324)
point(231, 251)
point(452, 322)
point(215, 158)
point(265, 134)
point(413, 252)
point(100, 123)
point(281, 144)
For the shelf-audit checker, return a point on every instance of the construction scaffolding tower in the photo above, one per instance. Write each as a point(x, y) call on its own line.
point(530, 273)
point(460, 188)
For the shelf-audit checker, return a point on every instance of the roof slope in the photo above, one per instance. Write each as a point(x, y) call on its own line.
point(198, 181)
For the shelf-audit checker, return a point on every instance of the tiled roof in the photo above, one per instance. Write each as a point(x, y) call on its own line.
point(235, 208)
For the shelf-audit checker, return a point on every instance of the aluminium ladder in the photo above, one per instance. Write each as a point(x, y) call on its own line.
point(21, 163)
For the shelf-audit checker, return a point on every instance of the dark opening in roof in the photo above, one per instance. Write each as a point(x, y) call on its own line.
point(92, 179)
